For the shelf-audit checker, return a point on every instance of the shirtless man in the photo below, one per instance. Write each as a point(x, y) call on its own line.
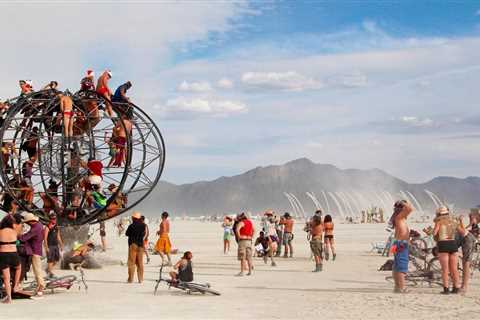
point(287, 222)
point(400, 246)
point(104, 90)
point(164, 245)
point(316, 244)
point(120, 133)
point(25, 87)
point(66, 107)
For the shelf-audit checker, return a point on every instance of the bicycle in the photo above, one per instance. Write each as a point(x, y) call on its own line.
point(188, 287)
point(64, 282)
point(422, 269)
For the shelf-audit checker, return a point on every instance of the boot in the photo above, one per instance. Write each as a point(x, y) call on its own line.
point(445, 290)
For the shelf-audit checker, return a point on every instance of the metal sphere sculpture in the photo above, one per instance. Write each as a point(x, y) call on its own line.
point(109, 161)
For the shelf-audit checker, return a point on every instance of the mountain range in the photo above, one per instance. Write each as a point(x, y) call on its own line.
point(345, 191)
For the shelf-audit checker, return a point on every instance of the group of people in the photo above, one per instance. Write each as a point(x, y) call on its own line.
point(450, 234)
point(84, 177)
point(23, 241)
point(277, 233)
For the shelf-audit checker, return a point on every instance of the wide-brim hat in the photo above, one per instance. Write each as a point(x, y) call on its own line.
point(136, 215)
point(27, 217)
point(443, 211)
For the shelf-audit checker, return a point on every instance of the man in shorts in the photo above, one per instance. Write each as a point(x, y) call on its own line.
point(316, 244)
point(287, 222)
point(400, 246)
point(52, 244)
point(245, 231)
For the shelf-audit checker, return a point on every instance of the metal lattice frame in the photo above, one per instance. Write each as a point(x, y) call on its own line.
point(63, 160)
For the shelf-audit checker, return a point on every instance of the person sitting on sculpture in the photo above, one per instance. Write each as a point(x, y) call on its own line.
point(119, 202)
point(52, 85)
point(87, 83)
point(121, 98)
point(26, 87)
point(8, 151)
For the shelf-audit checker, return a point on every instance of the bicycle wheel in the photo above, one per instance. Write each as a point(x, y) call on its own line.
point(202, 289)
point(62, 282)
point(419, 248)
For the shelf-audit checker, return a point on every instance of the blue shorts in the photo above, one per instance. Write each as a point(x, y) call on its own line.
point(400, 260)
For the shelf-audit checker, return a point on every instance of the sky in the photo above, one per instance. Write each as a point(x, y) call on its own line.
point(234, 85)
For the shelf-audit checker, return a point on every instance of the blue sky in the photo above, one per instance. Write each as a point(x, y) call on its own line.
point(235, 85)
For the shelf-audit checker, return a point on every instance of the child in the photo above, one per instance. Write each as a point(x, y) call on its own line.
point(184, 267)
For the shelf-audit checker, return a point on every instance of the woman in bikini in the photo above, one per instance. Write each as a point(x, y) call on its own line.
point(328, 238)
point(8, 255)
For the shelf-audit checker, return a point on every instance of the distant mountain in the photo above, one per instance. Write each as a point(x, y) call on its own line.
point(263, 188)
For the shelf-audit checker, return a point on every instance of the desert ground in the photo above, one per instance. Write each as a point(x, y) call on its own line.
point(349, 288)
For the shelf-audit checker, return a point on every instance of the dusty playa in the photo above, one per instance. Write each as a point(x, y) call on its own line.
point(349, 288)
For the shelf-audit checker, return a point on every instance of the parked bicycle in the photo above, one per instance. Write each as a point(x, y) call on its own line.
point(64, 282)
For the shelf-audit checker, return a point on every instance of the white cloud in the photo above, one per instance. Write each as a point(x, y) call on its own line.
point(183, 107)
point(289, 81)
point(417, 122)
point(196, 87)
point(225, 83)
point(353, 80)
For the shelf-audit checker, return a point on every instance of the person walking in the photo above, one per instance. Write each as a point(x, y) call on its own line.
point(136, 235)
point(53, 244)
point(163, 245)
point(328, 238)
point(444, 233)
point(33, 240)
point(316, 244)
point(470, 235)
point(245, 231)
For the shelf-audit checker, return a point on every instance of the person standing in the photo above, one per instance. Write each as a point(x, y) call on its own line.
point(288, 222)
point(329, 242)
point(9, 256)
point(444, 233)
point(245, 231)
point(316, 244)
point(400, 246)
point(104, 90)
point(53, 244)
point(163, 245)
point(33, 240)
point(145, 240)
point(469, 238)
point(227, 233)
point(136, 234)
point(103, 236)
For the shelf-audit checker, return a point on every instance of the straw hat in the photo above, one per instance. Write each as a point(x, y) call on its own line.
point(27, 217)
point(442, 211)
point(136, 215)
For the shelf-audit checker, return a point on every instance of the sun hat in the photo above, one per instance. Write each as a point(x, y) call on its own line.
point(443, 210)
point(136, 215)
point(27, 217)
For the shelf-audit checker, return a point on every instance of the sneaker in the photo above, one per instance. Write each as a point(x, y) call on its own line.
point(249, 273)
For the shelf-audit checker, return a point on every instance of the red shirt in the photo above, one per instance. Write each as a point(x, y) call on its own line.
point(95, 167)
point(247, 229)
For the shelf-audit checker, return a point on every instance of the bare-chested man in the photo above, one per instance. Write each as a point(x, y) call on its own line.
point(401, 211)
point(316, 244)
point(66, 107)
point(288, 222)
point(104, 90)
point(122, 129)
